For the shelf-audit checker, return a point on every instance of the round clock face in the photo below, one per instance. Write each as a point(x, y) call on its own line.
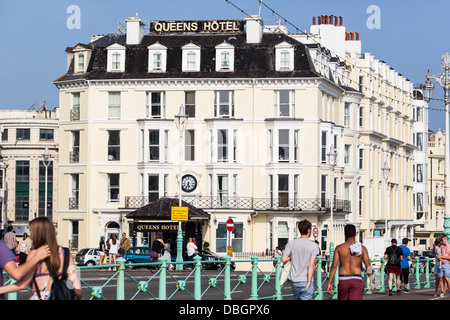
point(188, 183)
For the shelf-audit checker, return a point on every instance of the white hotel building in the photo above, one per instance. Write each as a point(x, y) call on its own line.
point(264, 107)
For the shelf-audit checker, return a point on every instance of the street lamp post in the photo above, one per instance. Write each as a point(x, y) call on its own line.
point(386, 171)
point(443, 79)
point(181, 122)
point(46, 155)
point(332, 162)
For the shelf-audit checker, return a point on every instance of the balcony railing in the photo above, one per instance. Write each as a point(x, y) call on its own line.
point(74, 157)
point(73, 203)
point(258, 204)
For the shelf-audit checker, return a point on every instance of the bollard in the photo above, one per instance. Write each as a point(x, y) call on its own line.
point(417, 273)
point(197, 278)
point(277, 294)
point(120, 294)
point(319, 292)
point(254, 289)
point(162, 278)
point(427, 272)
point(227, 278)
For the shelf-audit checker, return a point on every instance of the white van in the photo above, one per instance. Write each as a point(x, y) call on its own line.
point(376, 247)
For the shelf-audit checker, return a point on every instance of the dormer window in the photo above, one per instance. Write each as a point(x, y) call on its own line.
point(284, 57)
point(81, 62)
point(116, 58)
point(191, 57)
point(224, 57)
point(116, 61)
point(157, 57)
point(82, 55)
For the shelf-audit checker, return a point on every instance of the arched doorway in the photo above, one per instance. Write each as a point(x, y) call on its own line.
point(112, 227)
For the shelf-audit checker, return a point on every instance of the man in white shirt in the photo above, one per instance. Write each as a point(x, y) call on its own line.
point(191, 249)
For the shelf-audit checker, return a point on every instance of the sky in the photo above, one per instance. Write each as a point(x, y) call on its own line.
point(409, 35)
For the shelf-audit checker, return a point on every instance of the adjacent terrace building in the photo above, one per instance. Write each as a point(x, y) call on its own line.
point(265, 109)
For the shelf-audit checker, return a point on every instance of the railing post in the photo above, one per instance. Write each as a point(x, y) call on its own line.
point(336, 278)
point(198, 278)
point(319, 293)
point(277, 294)
point(417, 272)
point(120, 293)
point(227, 278)
point(382, 287)
point(427, 272)
point(254, 289)
point(12, 295)
point(162, 278)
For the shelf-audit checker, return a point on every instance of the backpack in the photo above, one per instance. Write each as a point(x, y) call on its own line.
point(59, 290)
point(393, 257)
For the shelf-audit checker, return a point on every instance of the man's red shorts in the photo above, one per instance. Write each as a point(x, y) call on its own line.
point(395, 269)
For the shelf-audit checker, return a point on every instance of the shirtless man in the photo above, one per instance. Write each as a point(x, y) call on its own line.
point(445, 259)
point(349, 255)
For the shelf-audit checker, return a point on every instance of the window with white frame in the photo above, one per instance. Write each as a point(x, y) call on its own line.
point(114, 145)
point(284, 57)
point(75, 111)
point(190, 57)
point(113, 187)
point(81, 62)
point(153, 188)
point(222, 145)
point(283, 145)
point(224, 57)
point(222, 189)
point(224, 104)
point(361, 159)
point(154, 145)
point(74, 191)
point(284, 103)
point(189, 103)
point(347, 153)
point(324, 147)
point(156, 104)
point(189, 145)
point(157, 57)
point(115, 58)
point(113, 105)
point(347, 114)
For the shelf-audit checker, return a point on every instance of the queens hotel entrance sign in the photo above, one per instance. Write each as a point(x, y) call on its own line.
point(202, 26)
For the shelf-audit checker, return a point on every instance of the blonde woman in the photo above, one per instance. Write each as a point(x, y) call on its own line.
point(43, 234)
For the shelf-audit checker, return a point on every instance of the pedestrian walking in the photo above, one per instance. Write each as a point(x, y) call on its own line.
point(324, 262)
point(24, 248)
point(394, 256)
point(168, 254)
point(158, 245)
point(10, 239)
point(437, 268)
point(113, 249)
point(8, 264)
point(445, 264)
point(124, 246)
point(102, 250)
point(349, 256)
point(43, 235)
point(404, 264)
point(191, 249)
point(302, 253)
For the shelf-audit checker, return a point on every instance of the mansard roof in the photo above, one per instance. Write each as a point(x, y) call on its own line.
point(252, 60)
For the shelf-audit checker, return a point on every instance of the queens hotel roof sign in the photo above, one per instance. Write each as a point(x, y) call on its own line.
point(201, 26)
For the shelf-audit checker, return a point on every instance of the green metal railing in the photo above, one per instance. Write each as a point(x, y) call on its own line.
point(164, 284)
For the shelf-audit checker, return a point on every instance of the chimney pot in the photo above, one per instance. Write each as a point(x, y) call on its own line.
point(352, 35)
point(314, 21)
point(357, 36)
point(347, 36)
point(336, 20)
point(340, 21)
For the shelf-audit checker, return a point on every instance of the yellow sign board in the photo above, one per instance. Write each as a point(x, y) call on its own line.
point(179, 213)
point(230, 250)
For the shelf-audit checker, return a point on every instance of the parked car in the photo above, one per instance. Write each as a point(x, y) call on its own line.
point(140, 255)
point(88, 257)
point(423, 260)
point(212, 256)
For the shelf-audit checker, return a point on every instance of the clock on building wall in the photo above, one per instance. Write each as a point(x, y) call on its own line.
point(188, 183)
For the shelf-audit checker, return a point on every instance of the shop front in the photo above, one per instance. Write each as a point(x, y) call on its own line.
point(154, 220)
